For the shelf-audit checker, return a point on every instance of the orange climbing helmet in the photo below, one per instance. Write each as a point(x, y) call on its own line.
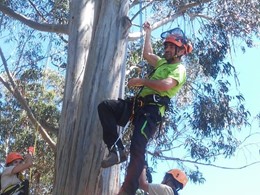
point(179, 175)
point(177, 37)
point(13, 156)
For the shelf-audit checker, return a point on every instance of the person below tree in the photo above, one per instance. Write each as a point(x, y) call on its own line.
point(145, 109)
point(12, 180)
point(173, 181)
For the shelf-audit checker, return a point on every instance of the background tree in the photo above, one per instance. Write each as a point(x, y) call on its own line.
point(94, 37)
point(18, 134)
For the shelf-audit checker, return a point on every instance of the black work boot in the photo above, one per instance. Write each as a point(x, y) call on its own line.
point(116, 155)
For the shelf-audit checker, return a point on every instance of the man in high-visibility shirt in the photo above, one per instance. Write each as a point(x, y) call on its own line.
point(148, 106)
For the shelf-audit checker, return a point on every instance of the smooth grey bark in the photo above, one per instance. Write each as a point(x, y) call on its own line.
point(96, 64)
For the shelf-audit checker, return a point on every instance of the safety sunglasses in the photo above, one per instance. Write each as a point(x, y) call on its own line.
point(177, 33)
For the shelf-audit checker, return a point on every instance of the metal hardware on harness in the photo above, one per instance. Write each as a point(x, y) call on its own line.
point(121, 133)
point(140, 103)
point(118, 154)
point(155, 98)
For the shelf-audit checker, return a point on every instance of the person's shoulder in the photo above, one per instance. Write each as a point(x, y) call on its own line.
point(7, 170)
point(181, 67)
point(160, 189)
point(160, 62)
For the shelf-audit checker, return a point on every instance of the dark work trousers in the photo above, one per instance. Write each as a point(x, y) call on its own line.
point(146, 120)
point(112, 113)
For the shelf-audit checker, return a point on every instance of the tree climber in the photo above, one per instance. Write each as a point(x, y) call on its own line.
point(147, 108)
point(12, 179)
point(173, 181)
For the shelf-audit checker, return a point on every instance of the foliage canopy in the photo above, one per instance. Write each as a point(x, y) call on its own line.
point(201, 119)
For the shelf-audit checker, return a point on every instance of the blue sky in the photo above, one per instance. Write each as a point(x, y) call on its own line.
point(226, 181)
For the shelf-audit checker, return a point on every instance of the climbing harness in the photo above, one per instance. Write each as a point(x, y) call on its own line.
point(121, 133)
point(22, 188)
point(139, 102)
point(153, 99)
point(114, 146)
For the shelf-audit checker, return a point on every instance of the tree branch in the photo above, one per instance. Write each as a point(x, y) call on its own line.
point(14, 90)
point(139, 11)
point(37, 11)
point(136, 35)
point(198, 163)
point(35, 25)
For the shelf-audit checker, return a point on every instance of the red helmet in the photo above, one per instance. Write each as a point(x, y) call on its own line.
point(13, 156)
point(179, 175)
point(178, 38)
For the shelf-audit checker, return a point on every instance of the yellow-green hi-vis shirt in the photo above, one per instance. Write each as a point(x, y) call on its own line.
point(164, 70)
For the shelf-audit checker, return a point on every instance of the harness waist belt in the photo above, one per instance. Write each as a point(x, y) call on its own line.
point(155, 99)
point(12, 188)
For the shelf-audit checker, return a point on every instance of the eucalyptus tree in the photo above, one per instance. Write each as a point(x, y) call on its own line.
point(94, 36)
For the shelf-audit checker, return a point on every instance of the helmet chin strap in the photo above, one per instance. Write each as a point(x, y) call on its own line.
point(176, 51)
point(176, 48)
point(176, 56)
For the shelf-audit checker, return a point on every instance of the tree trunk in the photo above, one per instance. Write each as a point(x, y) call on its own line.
point(110, 184)
point(96, 71)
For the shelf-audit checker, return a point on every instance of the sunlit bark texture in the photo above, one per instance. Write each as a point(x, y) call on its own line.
point(96, 55)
